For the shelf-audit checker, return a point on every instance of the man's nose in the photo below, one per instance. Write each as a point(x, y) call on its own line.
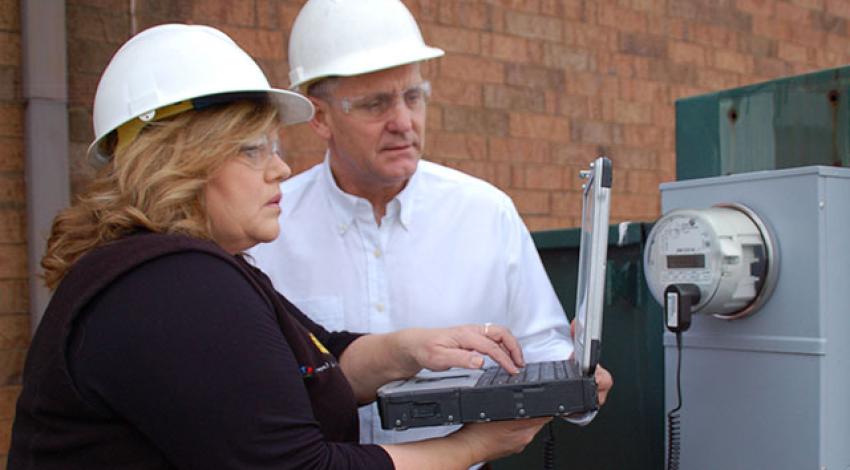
point(401, 117)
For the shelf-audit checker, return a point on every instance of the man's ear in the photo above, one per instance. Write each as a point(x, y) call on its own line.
point(320, 122)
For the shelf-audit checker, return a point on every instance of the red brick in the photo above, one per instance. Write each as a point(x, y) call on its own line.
point(11, 120)
point(472, 69)
point(567, 203)
point(537, 222)
point(11, 154)
point(591, 84)
point(5, 438)
point(590, 36)
point(629, 112)
point(534, 77)
point(11, 368)
point(772, 68)
point(671, 28)
point(686, 53)
point(563, 57)
point(717, 80)
point(12, 225)
point(539, 176)
point(535, 126)
point(12, 190)
point(514, 98)
point(453, 39)
point(623, 65)
point(644, 44)
point(733, 61)
point(8, 399)
point(634, 206)
point(664, 114)
point(475, 120)
point(552, 7)
point(811, 4)
point(575, 107)
point(622, 19)
point(792, 53)
point(10, 83)
point(456, 145)
point(423, 10)
point(504, 47)
point(641, 181)
point(260, 44)
point(756, 7)
point(14, 296)
point(643, 136)
point(530, 201)
point(756, 46)
point(456, 92)
point(14, 332)
point(577, 155)
point(823, 21)
point(224, 12)
point(644, 91)
point(521, 150)
point(472, 15)
point(592, 132)
point(534, 27)
point(772, 28)
point(713, 35)
point(13, 261)
point(838, 8)
point(98, 24)
point(10, 17)
point(10, 49)
point(483, 170)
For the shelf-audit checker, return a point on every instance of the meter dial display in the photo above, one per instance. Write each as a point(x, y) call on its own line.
point(725, 251)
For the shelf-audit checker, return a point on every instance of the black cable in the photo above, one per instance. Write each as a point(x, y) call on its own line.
point(673, 418)
point(549, 449)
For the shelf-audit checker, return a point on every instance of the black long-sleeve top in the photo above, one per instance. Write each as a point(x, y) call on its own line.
point(186, 360)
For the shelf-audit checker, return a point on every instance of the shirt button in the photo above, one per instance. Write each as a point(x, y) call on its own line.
point(379, 307)
point(377, 252)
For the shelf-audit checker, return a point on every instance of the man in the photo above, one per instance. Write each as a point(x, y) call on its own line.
point(376, 239)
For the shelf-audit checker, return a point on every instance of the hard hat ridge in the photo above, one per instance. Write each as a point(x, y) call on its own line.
point(352, 37)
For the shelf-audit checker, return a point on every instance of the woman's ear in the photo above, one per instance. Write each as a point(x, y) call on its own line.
point(320, 122)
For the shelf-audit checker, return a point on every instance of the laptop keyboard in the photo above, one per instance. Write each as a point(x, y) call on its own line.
point(534, 372)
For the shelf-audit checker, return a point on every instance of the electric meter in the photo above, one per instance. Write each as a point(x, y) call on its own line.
point(726, 251)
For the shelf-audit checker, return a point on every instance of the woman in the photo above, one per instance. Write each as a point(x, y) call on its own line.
point(162, 347)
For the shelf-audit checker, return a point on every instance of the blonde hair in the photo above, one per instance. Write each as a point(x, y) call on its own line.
point(156, 183)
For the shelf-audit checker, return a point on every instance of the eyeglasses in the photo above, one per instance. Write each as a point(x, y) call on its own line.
point(379, 106)
point(259, 153)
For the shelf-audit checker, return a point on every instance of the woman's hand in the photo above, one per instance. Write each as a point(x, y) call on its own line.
point(490, 441)
point(474, 443)
point(373, 360)
point(461, 346)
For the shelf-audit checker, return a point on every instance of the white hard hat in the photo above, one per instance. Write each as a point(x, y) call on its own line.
point(352, 37)
point(176, 63)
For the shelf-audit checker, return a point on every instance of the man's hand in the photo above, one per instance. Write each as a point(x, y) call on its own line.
point(604, 380)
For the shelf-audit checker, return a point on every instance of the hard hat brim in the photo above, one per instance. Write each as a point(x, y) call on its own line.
point(292, 107)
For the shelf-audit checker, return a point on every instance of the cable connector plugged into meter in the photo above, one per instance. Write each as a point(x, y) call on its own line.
point(679, 300)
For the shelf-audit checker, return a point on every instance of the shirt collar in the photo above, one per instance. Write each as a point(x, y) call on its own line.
point(346, 207)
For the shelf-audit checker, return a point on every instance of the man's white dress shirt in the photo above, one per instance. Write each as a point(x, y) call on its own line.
point(450, 250)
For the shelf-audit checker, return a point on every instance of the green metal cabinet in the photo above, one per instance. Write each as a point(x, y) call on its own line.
point(628, 433)
point(794, 121)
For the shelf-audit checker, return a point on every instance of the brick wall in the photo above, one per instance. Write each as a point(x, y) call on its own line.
point(14, 321)
point(528, 93)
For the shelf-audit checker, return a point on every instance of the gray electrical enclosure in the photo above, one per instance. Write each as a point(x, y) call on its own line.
point(772, 390)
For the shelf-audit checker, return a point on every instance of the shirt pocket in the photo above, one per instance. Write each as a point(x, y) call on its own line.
point(327, 311)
